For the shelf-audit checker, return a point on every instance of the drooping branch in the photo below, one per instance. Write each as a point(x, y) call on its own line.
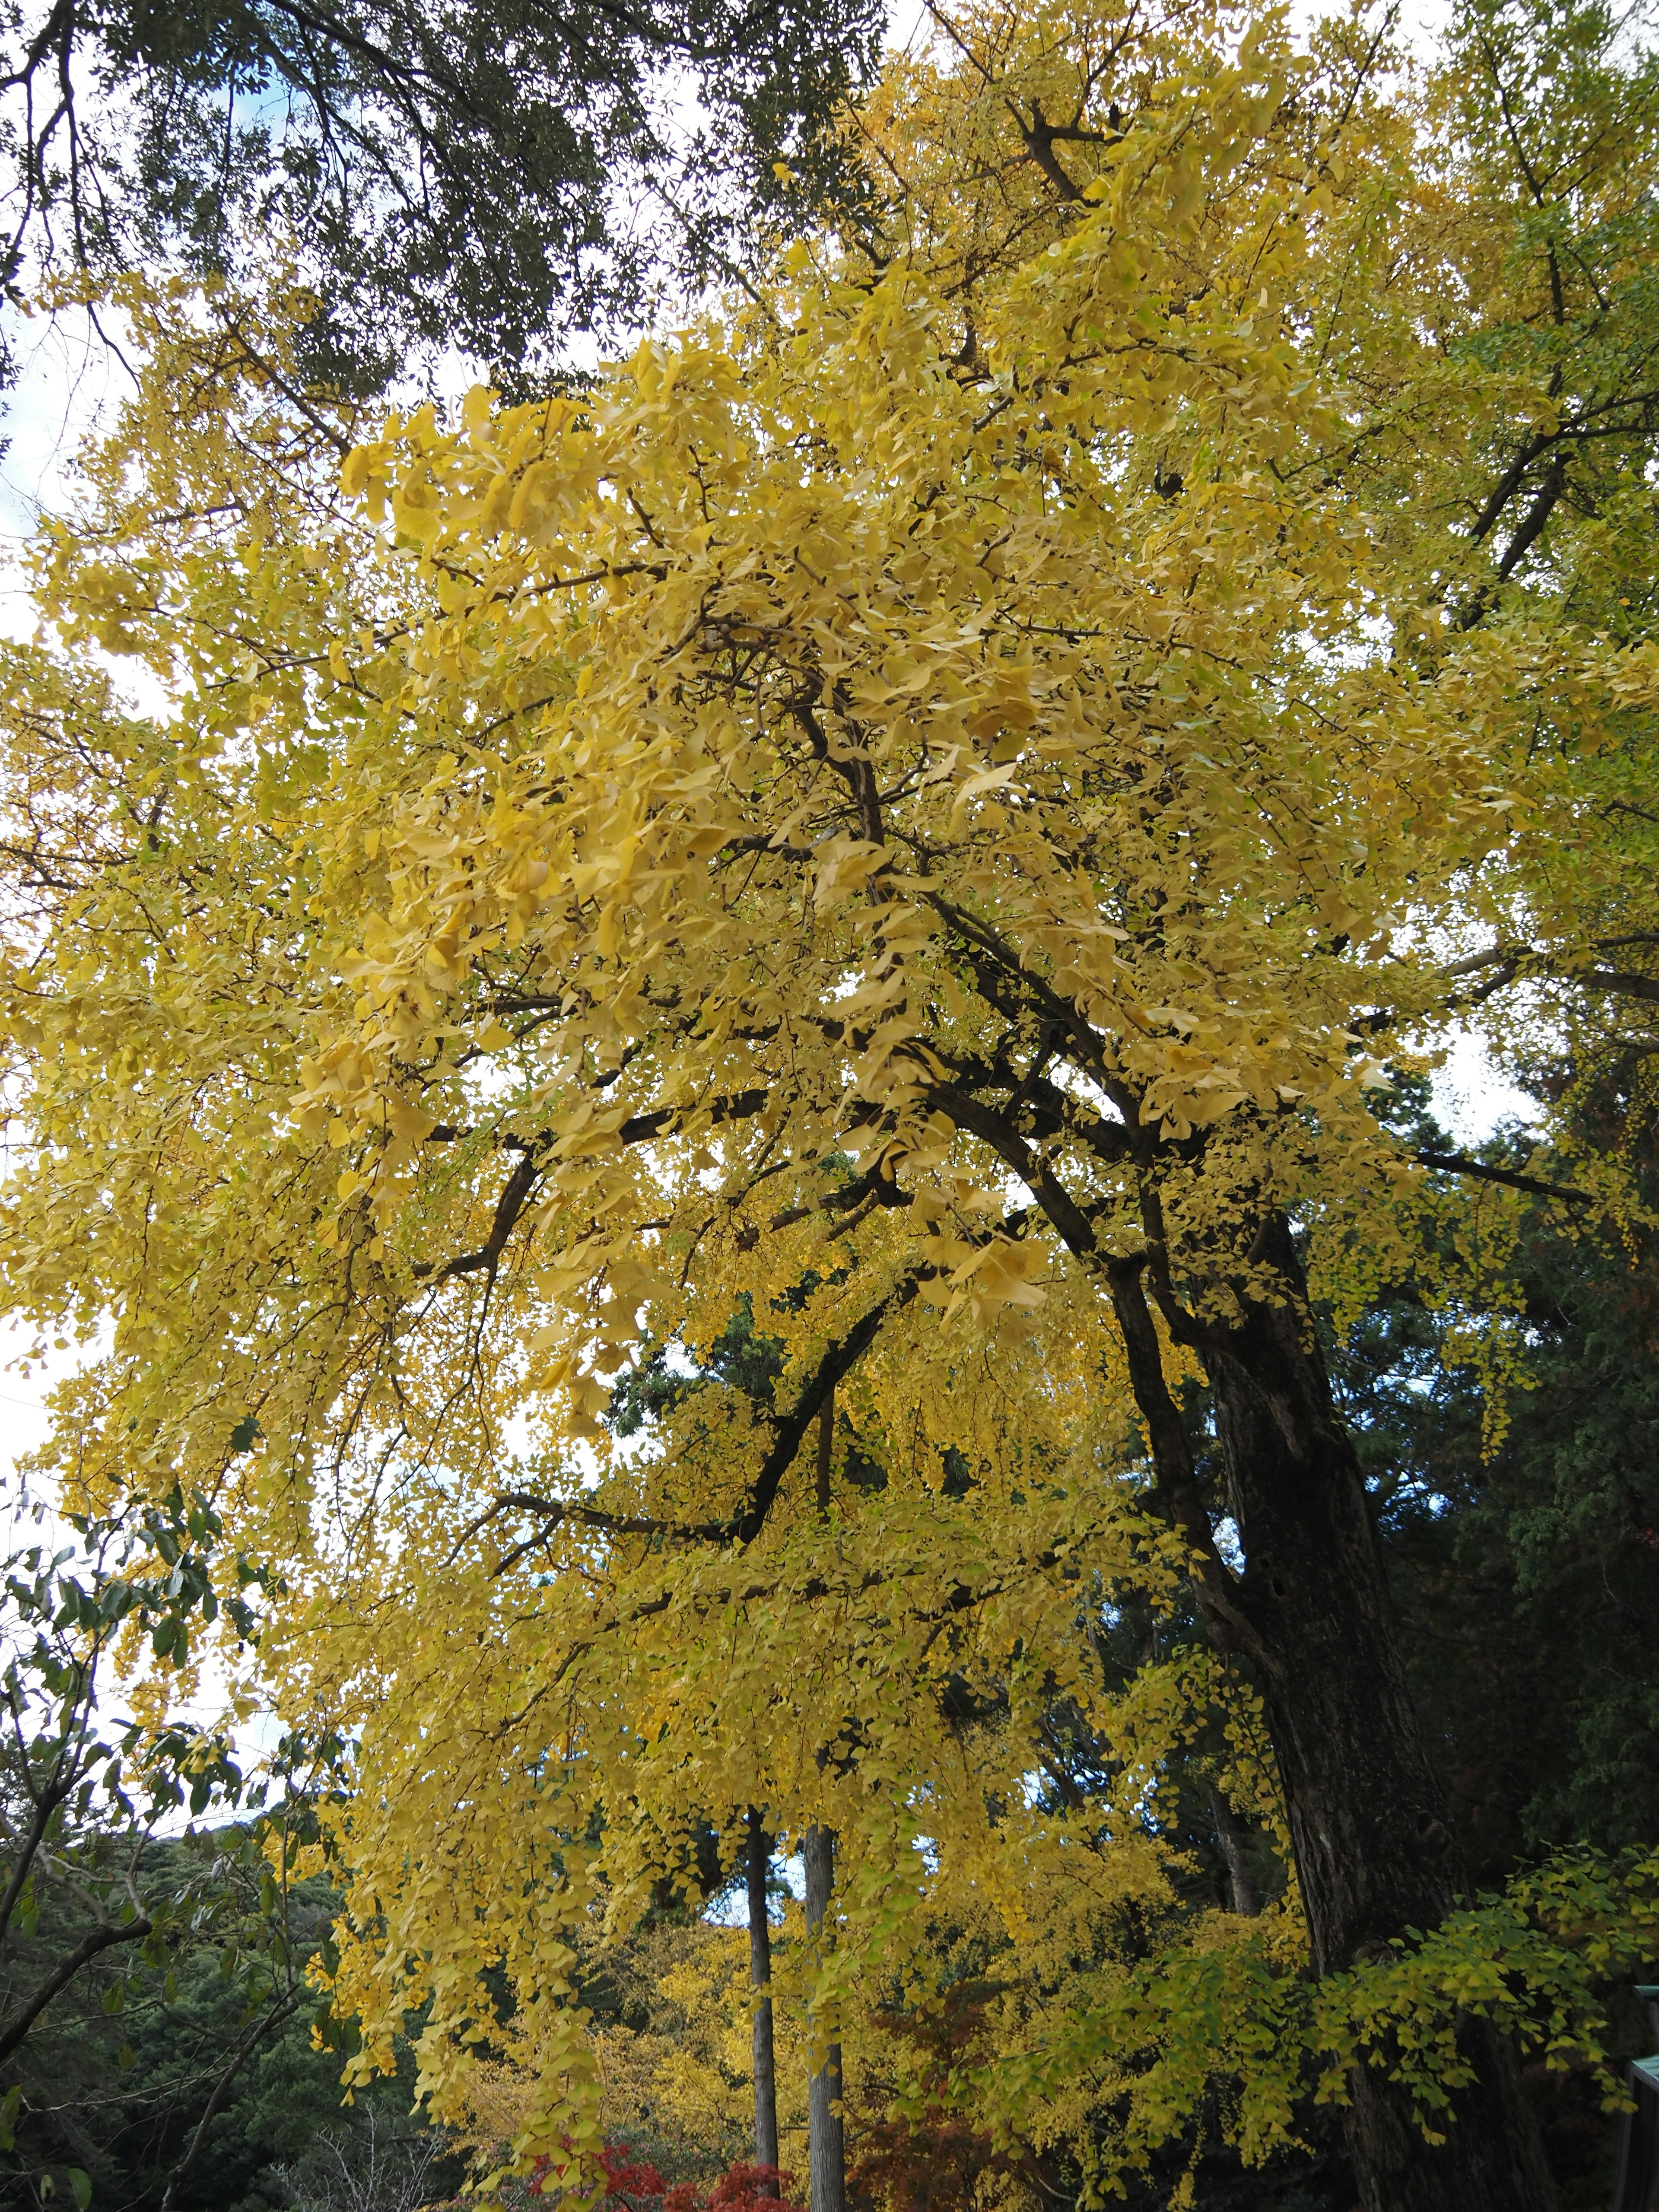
point(515, 1196)
point(788, 1431)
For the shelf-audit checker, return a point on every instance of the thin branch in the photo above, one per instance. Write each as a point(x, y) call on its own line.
point(249, 2042)
point(12, 2031)
point(1457, 1163)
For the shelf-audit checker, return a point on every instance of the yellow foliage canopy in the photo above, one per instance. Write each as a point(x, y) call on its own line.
point(902, 814)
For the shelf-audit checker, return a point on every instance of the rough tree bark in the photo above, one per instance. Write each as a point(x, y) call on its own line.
point(1374, 1853)
point(759, 1866)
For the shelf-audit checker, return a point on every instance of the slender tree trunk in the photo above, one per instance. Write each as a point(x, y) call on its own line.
point(760, 1976)
point(1375, 1854)
point(826, 1447)
point(826, 2136)
point(1229, 1834)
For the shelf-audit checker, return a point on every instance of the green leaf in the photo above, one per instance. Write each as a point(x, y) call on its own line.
point(80, 2183)
point(8, 2111)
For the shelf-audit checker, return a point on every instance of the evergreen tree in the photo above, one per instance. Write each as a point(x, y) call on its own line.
point(445, 172)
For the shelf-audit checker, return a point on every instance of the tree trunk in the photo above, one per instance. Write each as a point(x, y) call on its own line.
point(826, 1448)
point(826, 2138)
point(1230, 1836)
point(1375, 1854)
point(760, 1976)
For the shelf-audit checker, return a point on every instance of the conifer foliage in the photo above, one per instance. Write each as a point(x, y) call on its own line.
point(492, 177)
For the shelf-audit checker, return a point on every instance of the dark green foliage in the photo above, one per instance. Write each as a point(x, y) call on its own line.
point(490, 177)
point(1531, 1581)
point(1525, 1577)
point(1319, 2179)
point(1528, 1580)
point(1527, 1586)
point(741, 1357)
point(144, 1978)
point(117, 2073)
point(119, 2093)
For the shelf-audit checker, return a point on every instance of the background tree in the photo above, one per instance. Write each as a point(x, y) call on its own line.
point(757, 1873)
point(196, 2090)
point(669, 2019)
point(492, 179)
point(95, 1907)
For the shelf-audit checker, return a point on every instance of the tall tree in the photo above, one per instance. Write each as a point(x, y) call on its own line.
point(901, 811)
point(758, 1871)
point(826, 2130)
point(493, 178)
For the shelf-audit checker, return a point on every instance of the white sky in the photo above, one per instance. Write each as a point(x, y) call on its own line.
point(67, 376)
point(22, 1429)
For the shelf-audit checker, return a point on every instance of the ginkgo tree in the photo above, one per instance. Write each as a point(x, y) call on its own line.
point(912, 812)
